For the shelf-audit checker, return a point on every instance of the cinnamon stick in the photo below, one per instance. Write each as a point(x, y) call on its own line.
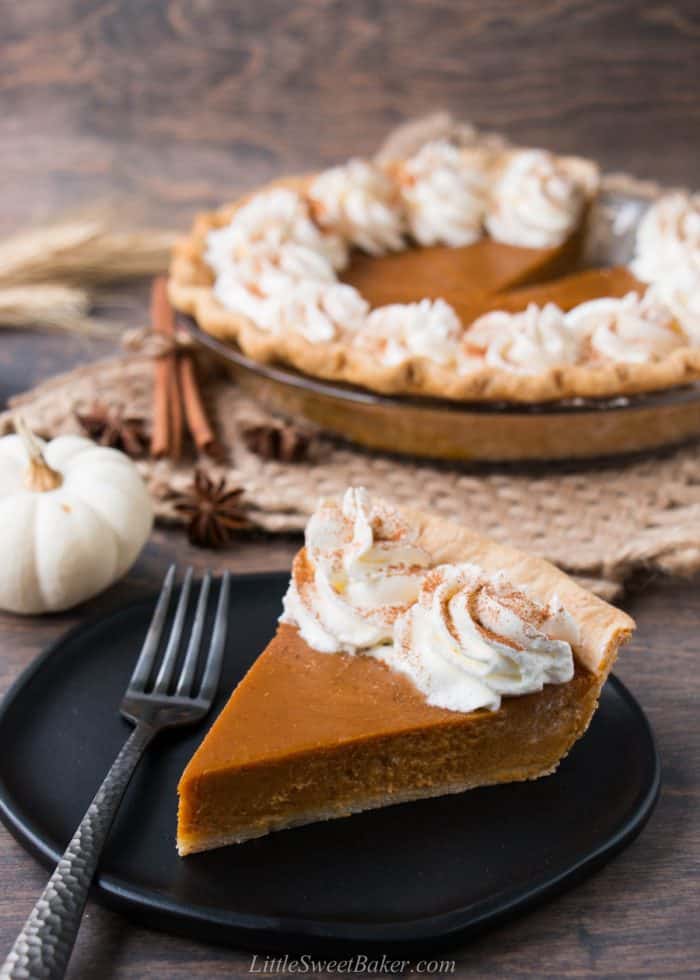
point(166, 439)
point(195, 414)
point(175, 406)
point(176, 389)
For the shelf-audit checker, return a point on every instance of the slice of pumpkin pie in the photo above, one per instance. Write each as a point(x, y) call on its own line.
point(413, 658)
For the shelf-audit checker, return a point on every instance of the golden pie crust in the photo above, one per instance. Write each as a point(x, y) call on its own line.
point(190, 290)
point(308, 736)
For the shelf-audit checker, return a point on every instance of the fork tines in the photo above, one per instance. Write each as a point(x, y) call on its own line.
point(165, 677)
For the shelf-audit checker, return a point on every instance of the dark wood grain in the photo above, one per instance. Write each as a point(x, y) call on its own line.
point(167, 106)
point(162, 108)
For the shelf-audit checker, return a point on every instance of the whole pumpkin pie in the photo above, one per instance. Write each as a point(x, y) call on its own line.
point(413, 658)
point(454, 273)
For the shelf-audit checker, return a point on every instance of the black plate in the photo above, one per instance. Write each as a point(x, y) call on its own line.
point(408, 877)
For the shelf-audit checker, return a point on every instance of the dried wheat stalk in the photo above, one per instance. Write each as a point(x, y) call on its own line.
point(51, 306)
point(47, 275)
point(83, 251)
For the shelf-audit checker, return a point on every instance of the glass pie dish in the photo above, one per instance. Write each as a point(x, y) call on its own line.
point(436, 428)
point(461, 431)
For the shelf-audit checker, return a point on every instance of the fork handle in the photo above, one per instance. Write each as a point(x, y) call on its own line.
point(43, 947)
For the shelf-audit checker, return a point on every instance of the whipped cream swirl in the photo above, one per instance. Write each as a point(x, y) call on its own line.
point(472, 638)
point(539, 199)
point(270, 222)
point(317, 311)
point(668, 240)
point(680, 294)
point(361, 568)
point(631, 330)
point(524, 343)
point(465, 637)
point(445, 192)
point(429, 329)
point(274, 266)
point(358, 202)
point(273, 273)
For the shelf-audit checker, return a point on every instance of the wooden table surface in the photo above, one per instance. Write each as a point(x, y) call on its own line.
point(162, 108)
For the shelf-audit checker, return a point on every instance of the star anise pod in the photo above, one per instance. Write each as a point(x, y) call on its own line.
point(278, 440)
point(109, 426)
point(214, 511)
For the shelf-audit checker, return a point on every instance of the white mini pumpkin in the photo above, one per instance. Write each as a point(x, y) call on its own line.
point(73, 518)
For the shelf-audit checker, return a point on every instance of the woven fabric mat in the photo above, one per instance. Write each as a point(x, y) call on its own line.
point(601, 523)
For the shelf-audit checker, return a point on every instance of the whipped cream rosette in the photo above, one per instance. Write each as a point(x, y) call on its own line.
point(472, 638)
point(430, 329)
point(358, 202)
point(244, 287)
point(237, 297)
point(668, 239)
point(444, 189)
point(278, 269)
point(360, 569)
point(266, 225)
point(525, 343)
point(539, 198)
point(317, 311)
point(632, 330)
point(680, 294)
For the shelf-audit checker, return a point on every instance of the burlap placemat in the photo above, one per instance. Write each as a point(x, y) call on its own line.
point(601, 523)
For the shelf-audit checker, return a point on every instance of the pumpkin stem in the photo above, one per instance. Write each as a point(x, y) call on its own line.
point(39, 477)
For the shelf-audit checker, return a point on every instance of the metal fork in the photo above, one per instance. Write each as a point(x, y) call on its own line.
point(43, 947)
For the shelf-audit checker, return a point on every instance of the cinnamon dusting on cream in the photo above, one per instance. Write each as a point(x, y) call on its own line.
point(363, 584)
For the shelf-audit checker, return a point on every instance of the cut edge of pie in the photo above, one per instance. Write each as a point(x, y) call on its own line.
point(190, 291)
point(309, 736)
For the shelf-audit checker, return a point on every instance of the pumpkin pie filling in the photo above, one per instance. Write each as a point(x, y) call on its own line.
point(456, 274)
point(486, 276)
point(309, 736)
point(570, 290)
point(319, 731)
